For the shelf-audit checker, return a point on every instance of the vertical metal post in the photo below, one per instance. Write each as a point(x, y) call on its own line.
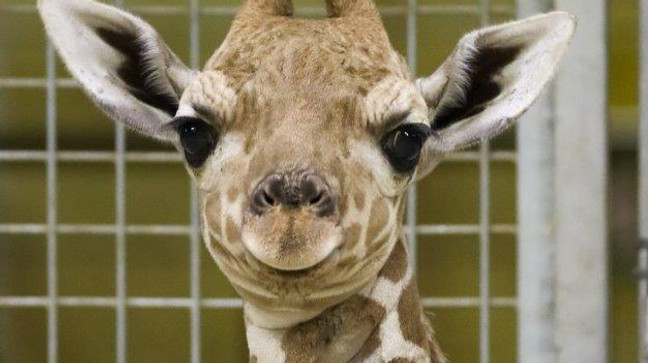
point(484, 253)
point(643, 185)
point(484, 233)
point(120, 238)
point(120, 242)
point(52, 275)
point(536, 244)
point(581, 189)
point(412, 13)
point(194, 237)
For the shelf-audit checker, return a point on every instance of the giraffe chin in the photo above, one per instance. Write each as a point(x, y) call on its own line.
point(290, 244)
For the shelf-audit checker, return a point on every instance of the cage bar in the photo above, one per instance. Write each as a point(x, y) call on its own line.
point(484, 235)
point(183, 230)
point(194, 216)
point(393, 10)
point(412, 45)
point(536, 244)
point(120, 242)
point(174, 157)
point(120, 238)
point(52, 274)
point(642, 303)
point(220, 303)
point(581, 189)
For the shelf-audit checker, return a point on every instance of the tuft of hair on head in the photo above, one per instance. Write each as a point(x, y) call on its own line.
point(351, 8)
point(268, 7)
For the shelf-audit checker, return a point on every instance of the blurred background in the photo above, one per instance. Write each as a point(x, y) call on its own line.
point(158, 194)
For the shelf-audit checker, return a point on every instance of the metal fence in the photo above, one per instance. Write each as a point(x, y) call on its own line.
point(545, 277)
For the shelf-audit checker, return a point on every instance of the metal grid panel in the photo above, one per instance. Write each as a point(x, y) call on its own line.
point(120, 157)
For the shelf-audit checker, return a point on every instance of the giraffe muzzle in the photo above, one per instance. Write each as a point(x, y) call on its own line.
point(293, 221)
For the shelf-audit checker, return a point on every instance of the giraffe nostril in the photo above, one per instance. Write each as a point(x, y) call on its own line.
point(263, 199)
point(317, 198)
point(267, 199)
point(293, 190)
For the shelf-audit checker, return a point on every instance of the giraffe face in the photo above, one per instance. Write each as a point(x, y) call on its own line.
point(302, 135)
point(302, 177)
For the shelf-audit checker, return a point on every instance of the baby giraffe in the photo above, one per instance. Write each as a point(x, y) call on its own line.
point(302, 137)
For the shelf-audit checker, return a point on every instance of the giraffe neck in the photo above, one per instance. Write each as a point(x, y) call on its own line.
point(384, 323)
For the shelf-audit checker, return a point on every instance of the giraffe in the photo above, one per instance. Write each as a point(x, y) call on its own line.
point(301, 136)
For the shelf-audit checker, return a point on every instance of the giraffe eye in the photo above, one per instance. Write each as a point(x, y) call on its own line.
point(402, 146)
point(198, 139)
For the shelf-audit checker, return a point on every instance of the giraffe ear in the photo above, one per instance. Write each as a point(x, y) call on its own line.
point(120, 61)
point(492, 77)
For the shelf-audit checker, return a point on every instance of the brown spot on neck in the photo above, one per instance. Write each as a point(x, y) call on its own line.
point(396, 265)
point(379, 218)
point(318, 340)
point(409, 316)
point(371, 345)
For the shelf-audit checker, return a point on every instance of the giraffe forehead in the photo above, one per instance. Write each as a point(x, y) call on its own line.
point(304, 71)
point(306, 48)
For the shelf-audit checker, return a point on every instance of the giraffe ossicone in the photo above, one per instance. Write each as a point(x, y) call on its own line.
point(302, 136)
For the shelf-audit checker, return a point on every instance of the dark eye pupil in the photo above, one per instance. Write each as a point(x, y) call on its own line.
point(406, 145)
point(403, 146)
point(198, 140)
point(189, 129)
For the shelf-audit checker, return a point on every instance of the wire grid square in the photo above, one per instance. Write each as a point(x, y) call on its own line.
point(55, 228)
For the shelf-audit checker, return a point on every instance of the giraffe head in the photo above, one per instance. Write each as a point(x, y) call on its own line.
point(303, 135)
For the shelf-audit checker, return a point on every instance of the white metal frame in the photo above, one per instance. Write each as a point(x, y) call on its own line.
point(562, 168)
point(642, 302)
point(537, 244)
point(581, 190)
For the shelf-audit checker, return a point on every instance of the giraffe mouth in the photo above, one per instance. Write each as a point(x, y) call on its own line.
point(294, 275)
point(292, 243)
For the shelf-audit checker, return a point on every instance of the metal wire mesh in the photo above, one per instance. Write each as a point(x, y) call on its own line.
point(120, 230)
